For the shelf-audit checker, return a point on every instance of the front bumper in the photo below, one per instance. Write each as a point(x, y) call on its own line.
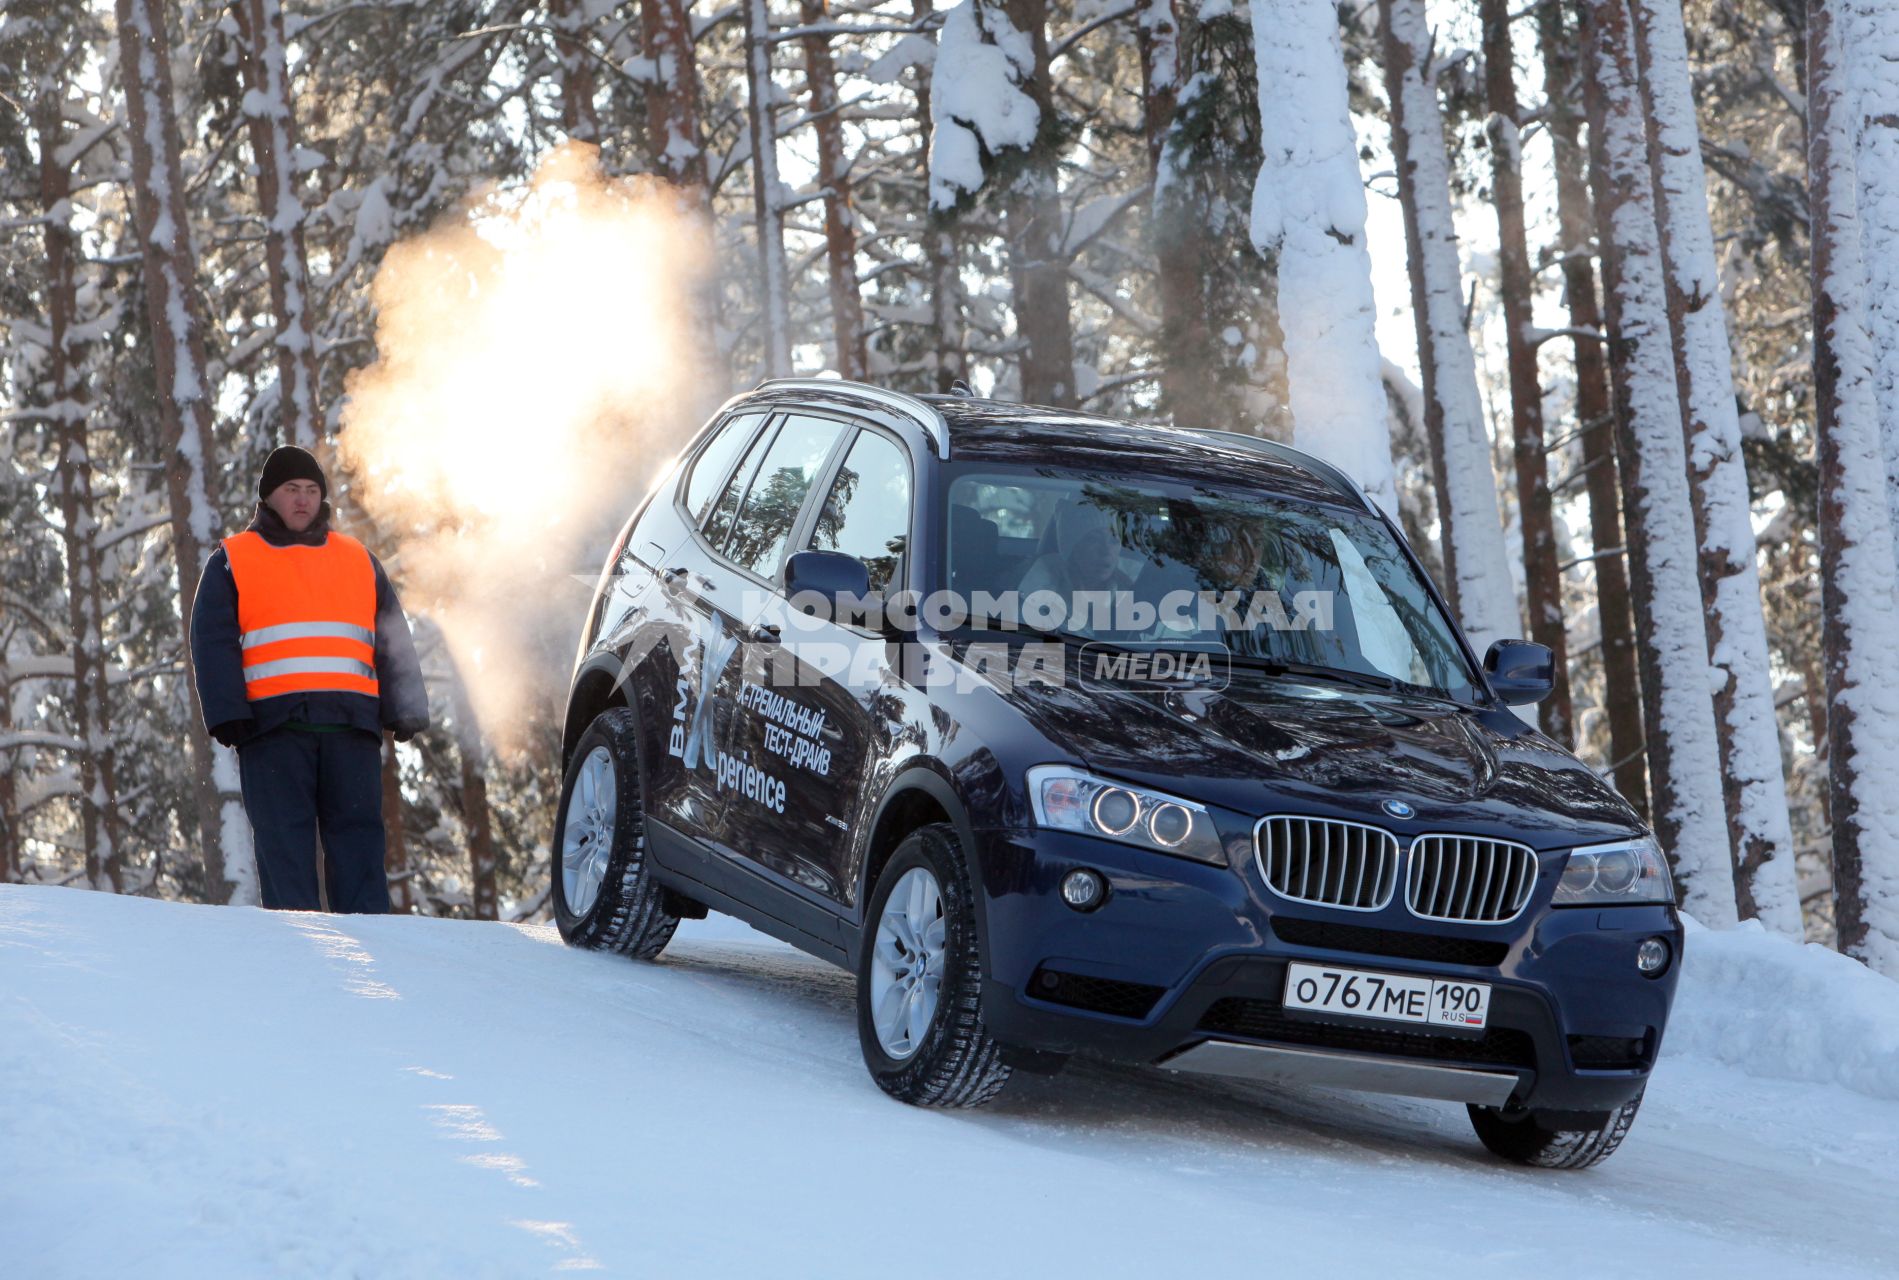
point(1185, 954)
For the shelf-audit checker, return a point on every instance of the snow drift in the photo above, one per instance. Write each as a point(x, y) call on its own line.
point(1786, 1010)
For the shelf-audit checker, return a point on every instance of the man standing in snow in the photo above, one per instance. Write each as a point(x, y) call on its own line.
point(303, 659)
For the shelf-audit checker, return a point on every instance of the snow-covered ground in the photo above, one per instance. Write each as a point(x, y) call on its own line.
point(205, 1092)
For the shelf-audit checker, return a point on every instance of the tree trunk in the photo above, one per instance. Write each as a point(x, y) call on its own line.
point(1874, 55)
point(1683, 758)
point(939, 250)
point(72, 481)
point(1309, 221)
point(12, 863)
point(840, 218)
point(1038, 264)
point(577, 80)
point(169, 271)
point(273, 130)
point(1595, 414)
point(1189, 360)
point(395, 861)
point(477, 822)
point(1859, 614)
point(1747, 730)
point(767, 215)
point(1475, 559)
point(672, 100)
point(1542, 580)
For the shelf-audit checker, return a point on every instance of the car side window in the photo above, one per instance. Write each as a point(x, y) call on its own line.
point(867, 512)
point(718, 521)
point(784, 479)
point(715, 460)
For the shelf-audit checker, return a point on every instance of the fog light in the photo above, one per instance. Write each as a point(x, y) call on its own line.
point(1652, 956)
point(1083, 890)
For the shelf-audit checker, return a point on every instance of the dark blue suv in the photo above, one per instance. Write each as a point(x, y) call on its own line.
point(1067, 735)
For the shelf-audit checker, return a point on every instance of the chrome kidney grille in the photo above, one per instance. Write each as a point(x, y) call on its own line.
point(1468, 878)
point(1334, 864)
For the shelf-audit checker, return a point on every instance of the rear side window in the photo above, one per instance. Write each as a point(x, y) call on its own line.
point(718, 521)
point(778, 491)
point(715, 460)
point(867, 512)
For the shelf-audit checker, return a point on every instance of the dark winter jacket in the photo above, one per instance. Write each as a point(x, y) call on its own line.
point(232, 718)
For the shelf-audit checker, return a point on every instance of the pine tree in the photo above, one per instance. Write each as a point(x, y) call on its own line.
point(1857, 571)
point(1477, 567)
point(170, 275)
point(1309, 222)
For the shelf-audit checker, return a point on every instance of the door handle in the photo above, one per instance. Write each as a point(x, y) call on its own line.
point(765, 633)
point(681, 576)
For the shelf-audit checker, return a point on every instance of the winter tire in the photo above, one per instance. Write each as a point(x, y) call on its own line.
point(919, 980)
point(604, 894)
point(1536, 1138)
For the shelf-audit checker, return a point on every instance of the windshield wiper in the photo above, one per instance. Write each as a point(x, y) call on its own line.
point(1307, 670)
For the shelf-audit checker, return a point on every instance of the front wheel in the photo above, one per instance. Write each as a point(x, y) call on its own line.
point(604, 894)
point(1553, 1140)
point(919, 980)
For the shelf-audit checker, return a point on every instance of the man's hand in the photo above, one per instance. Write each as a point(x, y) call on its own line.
point(403, 730)
point(233, 732)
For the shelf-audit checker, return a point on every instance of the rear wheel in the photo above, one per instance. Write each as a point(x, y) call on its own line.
point(1554, 1139)
point(604, 894)
point(919, 980)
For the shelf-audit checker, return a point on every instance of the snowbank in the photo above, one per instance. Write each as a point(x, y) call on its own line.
point(1785, 1010)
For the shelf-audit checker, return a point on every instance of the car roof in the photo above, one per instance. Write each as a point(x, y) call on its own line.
point(960, 427)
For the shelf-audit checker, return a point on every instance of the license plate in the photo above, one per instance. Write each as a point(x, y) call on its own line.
point(1391, 997)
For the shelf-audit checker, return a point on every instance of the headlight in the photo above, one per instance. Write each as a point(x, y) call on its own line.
point(1622, 873)
point(1067, 799)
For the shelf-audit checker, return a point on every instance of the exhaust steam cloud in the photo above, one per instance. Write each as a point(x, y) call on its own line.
point(537, 362)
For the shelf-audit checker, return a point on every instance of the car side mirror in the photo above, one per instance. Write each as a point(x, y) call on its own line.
point(827, 584)
point(1520, 671)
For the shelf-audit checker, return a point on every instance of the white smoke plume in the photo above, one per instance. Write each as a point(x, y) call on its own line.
point(538, 362)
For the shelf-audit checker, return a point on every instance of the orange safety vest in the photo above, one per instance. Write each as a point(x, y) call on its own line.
point(307, 615)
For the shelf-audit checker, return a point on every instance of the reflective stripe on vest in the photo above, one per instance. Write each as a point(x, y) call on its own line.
point(306, 616)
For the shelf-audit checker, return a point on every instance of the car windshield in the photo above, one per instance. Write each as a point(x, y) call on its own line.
point(1282, 585)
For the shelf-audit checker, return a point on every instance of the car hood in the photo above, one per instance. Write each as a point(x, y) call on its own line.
point(1266, 745)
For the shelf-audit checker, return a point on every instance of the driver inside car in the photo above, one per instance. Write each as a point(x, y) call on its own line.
point(1087, 558)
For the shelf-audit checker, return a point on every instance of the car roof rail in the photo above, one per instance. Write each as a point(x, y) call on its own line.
point(925, 415)
point(1260, 444)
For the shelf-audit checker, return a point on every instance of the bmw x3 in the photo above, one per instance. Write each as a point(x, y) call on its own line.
point(1072, 736)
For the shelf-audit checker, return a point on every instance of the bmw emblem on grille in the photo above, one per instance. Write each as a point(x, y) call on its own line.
point(1398, 809)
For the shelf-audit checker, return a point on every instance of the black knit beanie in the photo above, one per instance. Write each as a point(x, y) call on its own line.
point(288, 462)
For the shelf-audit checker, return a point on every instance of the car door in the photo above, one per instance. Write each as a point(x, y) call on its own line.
point(745, 561)
point(809, 704)
point(695, 630)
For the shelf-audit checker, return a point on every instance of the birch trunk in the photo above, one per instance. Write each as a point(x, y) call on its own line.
point(1309, 221)
point(767, 214)
point(568, 18)
point(1542, 580)
point(1747, 730)
point(1595, 414)
point(1683, 758)
point(273, 130)
point(1038, 267)
point(1475, 560)
point(840, 215)
point(169, 274)
point(72, 481)
point(939, 250)
point(1860, 615)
